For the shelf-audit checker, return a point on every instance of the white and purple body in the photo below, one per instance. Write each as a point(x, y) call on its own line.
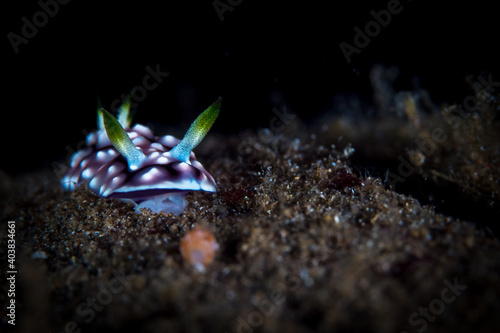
point(134, 165)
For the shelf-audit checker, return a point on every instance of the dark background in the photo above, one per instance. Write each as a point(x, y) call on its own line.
point(260, 56)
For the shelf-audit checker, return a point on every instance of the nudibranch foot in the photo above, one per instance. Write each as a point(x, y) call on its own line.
point(168, 203)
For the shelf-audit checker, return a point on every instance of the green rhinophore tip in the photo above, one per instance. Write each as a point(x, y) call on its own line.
point(121, 141)
point(124, 117)
point(100, 124)
point(196, 132)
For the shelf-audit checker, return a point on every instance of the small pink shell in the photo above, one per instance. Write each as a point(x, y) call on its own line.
point(198, 248)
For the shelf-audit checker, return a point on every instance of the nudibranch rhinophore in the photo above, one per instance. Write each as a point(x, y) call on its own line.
point(134, 165)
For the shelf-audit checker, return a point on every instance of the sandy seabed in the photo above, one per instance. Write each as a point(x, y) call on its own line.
point(307, 242)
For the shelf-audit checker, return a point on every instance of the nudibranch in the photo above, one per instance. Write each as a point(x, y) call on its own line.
point(134, 165)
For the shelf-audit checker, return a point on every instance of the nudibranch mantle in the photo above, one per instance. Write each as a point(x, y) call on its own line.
point(133, 164)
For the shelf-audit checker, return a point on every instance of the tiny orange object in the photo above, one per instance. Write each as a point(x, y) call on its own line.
point(198, 248)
